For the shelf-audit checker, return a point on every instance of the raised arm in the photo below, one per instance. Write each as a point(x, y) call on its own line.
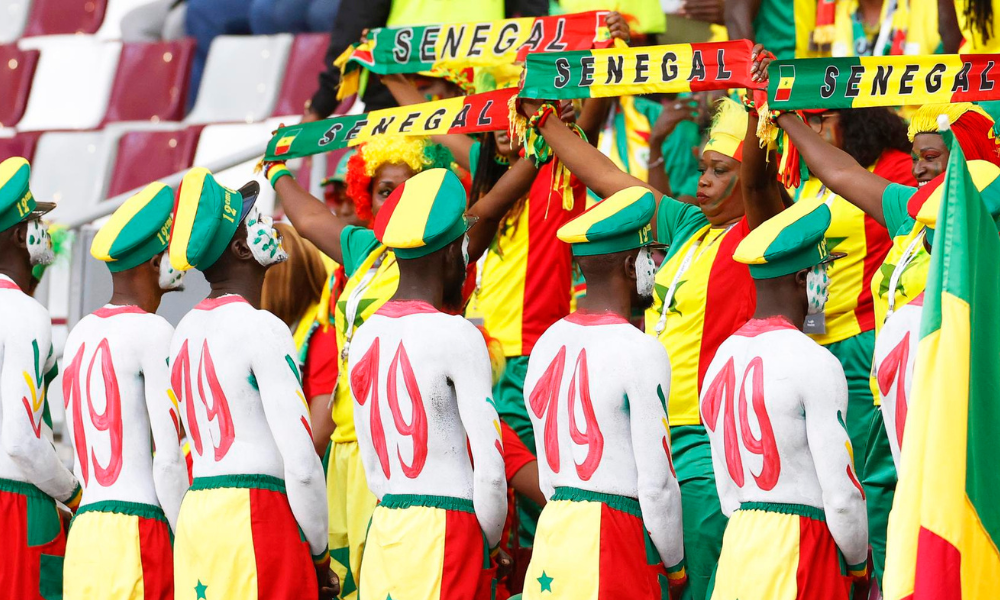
point(759, 178)
point(659, 492)
point(406, 94)
point(595, 170)
point(311, 217)
point(492, 207)
point(169, 469)
point(22, 400)
point(951, 34)
point(469, 372)
point(836, 168)
point(285, 408)
point(739, 16)
point(825, 403)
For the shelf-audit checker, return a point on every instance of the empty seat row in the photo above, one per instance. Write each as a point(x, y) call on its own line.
point(80, 82)
point(27, 18)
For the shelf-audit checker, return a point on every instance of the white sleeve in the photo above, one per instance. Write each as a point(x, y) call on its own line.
point(279, 382)
point(825, 401)
point(22, 399)
point(538, 425)
point(728, 497)
point(472, 377)
point(659, 492)
point(170, 476)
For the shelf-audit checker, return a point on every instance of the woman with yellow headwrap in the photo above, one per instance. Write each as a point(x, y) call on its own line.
point(701, 297)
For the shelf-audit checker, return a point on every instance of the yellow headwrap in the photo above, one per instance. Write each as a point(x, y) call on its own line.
point(925, 119)
point(729, 127)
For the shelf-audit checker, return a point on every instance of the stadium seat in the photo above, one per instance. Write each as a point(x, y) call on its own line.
point(111, 28)
point(72, 82)
point(13, 17)
point(242, 79)
point(55, 17)
point(71, 169)
point(17, 67)
point(151, 82)
point(145, 156)
point(218, 142)
point(305, 62)
point(19, 144)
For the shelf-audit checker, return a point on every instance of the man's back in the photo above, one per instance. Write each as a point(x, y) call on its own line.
point(422, 400)
point(775, 407)
point(111, 358)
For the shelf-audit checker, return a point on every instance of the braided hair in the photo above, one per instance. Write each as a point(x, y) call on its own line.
point(979, 16)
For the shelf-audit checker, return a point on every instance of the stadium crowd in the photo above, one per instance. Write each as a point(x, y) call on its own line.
point(636, 344)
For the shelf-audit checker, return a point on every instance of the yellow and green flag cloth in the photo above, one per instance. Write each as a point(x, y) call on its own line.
point(945, 520)
point(460, 45)
point(855, 82)
point(467, 114)
point(629, 71)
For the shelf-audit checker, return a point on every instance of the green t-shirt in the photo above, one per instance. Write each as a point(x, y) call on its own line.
point(356, 243)
point(894, 200)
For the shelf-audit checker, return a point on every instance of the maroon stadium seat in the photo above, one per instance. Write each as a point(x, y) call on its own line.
point(151, 82)
point(51, 17)
point(16, 70)
point(305, 62)
point(145, 156)
point(22, 144)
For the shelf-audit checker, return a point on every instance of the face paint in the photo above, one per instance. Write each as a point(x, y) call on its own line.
point(645, 273)
point(170, 278)
point(817, 289)
point(39, 243)
point(264, 241)
point(465, 250)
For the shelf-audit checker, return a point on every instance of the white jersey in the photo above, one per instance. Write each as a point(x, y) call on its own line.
point(26, 367)
point(234, 374)
point(116, 387)
point(596, 391)
point(775, 407)
point(895, 355)
point(421, 383)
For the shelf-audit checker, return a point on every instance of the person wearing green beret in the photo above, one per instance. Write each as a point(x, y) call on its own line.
point(783, 460)
point(32, 477)
point(613, 499)
point(130, 500)
point(258, 482)
point(439, 474)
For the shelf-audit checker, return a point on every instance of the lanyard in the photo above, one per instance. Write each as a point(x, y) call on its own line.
point(354, 300)
point(897, 273)
point(661, 324)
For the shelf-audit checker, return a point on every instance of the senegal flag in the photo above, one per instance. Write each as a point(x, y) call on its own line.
point(945, 520)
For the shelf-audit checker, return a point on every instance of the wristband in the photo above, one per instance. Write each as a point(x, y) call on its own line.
point(74, 500)
point(276, 172)
point(495, 551)
point(322, 558)
point(536, 120)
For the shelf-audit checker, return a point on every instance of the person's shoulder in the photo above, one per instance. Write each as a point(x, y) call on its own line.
point(22, 309)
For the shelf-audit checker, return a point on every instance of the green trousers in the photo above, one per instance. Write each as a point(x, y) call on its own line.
point(855, 355)
point(704, 523)
point(879, 482)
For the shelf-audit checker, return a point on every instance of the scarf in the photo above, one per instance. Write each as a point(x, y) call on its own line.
point(630, 71)
point(882, 81)
point(457, 46)
point(468, 114)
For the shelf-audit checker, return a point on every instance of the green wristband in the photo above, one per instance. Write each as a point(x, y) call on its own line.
point(277, 172)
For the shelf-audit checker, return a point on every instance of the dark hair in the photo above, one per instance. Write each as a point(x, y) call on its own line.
point(979, 16)
point(487, 172)
point(868, 132)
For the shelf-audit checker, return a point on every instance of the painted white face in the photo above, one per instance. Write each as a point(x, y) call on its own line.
point(465, 250)
point(645, 273)
point(264, 241)
point(39, 243)
point(170, 278)
point(817, 289)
